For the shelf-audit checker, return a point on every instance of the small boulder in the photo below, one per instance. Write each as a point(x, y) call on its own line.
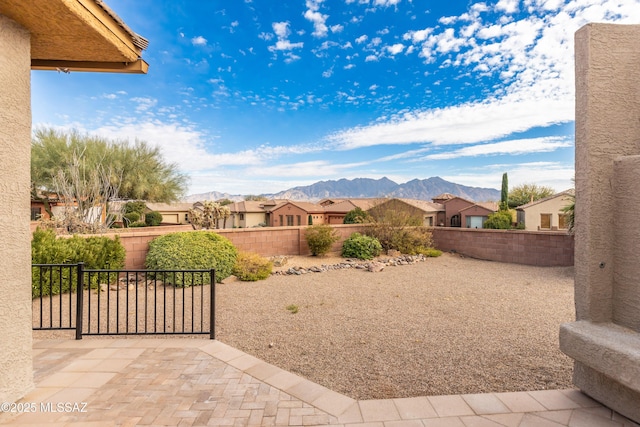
point(375, 267)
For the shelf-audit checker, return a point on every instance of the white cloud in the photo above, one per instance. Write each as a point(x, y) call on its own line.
point(282, 31)
point(320, 28)
point(512, 147)
point(286, 45)
point(370, 58)
point(507, 6)
point(533, 55)
point(386, 3)
point(417, 36)
point(363, 38)
point(395, 49)
point(553, 174)
point(463, 124)
point(144, 104)
point(199, 41)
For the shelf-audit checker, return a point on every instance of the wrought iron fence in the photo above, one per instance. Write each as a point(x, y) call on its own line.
point(123, 302)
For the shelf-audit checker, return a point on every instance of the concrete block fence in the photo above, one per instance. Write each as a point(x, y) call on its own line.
point(513, 246)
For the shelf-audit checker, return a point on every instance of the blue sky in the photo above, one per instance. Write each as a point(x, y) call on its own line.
point(257, 96)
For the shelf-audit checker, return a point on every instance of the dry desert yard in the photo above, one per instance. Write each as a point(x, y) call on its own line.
point(449, 325)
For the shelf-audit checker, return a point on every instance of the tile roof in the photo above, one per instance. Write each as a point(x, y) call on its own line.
point(569, 192)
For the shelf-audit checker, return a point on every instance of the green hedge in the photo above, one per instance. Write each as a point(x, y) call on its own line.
point(95, 252)
point(192, 250)
point(153, 218)
point(361, 247)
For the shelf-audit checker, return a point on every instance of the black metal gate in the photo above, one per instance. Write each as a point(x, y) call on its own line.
point(123, 302)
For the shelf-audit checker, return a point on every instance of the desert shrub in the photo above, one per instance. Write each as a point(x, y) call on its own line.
point(500, 220)
point(361, 247)
point(153, 219)
point(129, 218)
point(192, 251)
point(433, 253)
point(137, 207)
point(356, 216)
point(399, 230)
point(137, 224)
point(96, 252)
point(251, 267)
point(320, 238)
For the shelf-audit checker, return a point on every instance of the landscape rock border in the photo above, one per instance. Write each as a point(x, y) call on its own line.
point(349, 263)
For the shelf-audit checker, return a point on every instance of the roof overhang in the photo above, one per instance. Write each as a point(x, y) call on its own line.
point(77, 35)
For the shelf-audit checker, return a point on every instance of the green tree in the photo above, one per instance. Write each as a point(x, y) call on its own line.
point(500, 220)
point(504, 194)
point(137, 170)
point(356, 216)
point(527, 193)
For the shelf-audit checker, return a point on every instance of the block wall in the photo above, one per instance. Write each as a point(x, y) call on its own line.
point(520, 247)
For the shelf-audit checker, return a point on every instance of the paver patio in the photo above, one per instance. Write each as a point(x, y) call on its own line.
point(189, 382)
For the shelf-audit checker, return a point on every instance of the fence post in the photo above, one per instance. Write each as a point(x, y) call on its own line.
point(212, 308)
point(79, 301)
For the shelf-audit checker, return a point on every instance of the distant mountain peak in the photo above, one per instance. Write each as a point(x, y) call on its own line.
point(421, 189)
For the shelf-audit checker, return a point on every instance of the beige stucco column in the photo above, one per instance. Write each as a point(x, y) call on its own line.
point(605, 339)
point(16, 372)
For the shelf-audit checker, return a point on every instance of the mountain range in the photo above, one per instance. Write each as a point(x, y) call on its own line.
point(421, 189)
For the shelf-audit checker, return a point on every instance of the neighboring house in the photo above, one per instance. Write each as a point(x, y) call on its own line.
point(288, 213)
point(430, 213)
point(39, 210)
point(336, 209)
point(475, 215)
point(546, 214)
point(172, 213)
point(248, 214)
point(459, 212)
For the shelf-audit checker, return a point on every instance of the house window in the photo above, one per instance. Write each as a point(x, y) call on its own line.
point(429, 221)
point(299, 219)
point(35, 214)
point(545, 221)
point(281, 221)
point(289, 220)
point(455, 221)
point(186, 217)
point(241, 217)
point(563, 221)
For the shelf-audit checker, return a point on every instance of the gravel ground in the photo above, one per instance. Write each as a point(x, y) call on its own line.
point(449, 325)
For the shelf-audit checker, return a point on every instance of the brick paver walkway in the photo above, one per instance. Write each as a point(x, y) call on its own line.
point(184, 382)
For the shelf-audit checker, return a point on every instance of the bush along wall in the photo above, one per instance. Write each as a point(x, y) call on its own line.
point(192, 250)
point(96, 252)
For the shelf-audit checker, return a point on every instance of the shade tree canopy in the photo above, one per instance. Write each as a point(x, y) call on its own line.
point(527, 193)
point(137, 170)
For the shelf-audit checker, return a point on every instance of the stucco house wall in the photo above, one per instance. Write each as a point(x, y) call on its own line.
point(604, 340)
point(531, 213)
point(473, 211)
point(453, 207)
point(290, 209)
point(16, 374)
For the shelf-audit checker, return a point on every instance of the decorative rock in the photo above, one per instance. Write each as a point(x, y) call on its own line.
point(375, 267)
point(279, 261)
